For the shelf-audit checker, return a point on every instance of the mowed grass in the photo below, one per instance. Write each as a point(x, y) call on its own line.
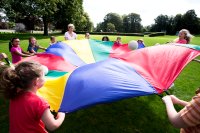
point(145, 114)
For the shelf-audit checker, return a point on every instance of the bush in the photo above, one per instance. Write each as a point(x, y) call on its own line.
point(157, 34)
point(4, 25)
point(20, 27)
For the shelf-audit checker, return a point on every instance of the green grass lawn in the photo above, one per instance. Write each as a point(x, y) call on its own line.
point(136, 115)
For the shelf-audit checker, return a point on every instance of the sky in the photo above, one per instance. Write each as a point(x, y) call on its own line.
point(147, 9)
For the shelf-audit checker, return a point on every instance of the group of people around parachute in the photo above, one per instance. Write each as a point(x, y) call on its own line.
point(21, 83)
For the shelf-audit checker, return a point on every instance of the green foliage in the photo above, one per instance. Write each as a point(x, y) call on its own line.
point(171, 25)
point(135, 115)
point(69, 11)
point(110, 27)
point(113, 19)
point(132, 23)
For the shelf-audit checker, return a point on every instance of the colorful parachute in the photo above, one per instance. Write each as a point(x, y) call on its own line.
point(87, 72)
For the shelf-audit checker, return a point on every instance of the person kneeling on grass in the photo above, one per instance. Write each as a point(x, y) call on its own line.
point(33, 47)
point(27, 111)
point(188, 119)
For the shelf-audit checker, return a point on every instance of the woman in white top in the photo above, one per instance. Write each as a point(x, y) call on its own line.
point(70, 35)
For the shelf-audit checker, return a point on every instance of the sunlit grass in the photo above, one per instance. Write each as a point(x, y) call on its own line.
point(136, 115)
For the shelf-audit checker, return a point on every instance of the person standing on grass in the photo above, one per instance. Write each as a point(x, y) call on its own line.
point(184, 37)
point(28, 113)
point(70, 34)
point(16, 51)
point(33, 46)
point(188, 119)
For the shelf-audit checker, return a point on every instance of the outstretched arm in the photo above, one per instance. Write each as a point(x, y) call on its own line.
point(23, 54)
point(43, 48)
point(173, 115)
point(50, 122)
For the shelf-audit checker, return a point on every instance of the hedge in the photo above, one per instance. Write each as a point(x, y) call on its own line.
point(111, 33)
point(157, 34)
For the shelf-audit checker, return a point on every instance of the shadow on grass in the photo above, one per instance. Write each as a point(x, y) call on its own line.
point(4, 122)
point(136, 115)
point(24, 36)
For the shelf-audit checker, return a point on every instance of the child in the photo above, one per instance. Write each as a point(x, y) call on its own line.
point(184, 37)
point(27, 111)
point(105, 38)
point(188, 118)
point(52, 40)
point(87, 35)
point(118, 41)
point(140, 44)
point(16, 51)
point(33, 46)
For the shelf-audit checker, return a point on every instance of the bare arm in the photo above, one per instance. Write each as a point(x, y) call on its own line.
point(50, 122)
point(43, 48)
point(27, 53)
point(173, 115)
point(22, 54)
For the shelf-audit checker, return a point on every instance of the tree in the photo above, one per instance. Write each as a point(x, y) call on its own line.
point(69, 11)
point(85, 23)
point(132, 23)
point(161, 22)
point(171, 25)
point(191, 22)
point(99, 27)
point(110, 27)
point(114, 19)
point(177, 23)
point(30, 11)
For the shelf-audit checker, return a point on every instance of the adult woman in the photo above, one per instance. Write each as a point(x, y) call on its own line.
point(70, 34)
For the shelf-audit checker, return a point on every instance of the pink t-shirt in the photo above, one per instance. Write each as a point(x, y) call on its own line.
point(181, 41)
point(15, 57)
point(25, 113)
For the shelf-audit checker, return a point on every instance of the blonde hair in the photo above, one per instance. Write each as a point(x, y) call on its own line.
point(188, 36)
point(71, 25)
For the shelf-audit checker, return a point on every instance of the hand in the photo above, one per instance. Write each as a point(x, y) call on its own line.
point(60, 115)
point(2, 63)
point(32, 54)
point(4, 55)
point(166, 99)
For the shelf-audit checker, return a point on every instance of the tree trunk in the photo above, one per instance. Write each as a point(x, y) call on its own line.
point(45, 25)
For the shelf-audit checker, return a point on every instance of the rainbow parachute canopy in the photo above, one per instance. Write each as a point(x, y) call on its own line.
point(88, 72)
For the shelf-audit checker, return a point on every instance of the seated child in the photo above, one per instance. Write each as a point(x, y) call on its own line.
point(33, 46)
point(52, 40)
point(87, 35)
point(118, 41)
point(16, 51)
point(105, 38)
point(140, 44)
point(184, 37)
